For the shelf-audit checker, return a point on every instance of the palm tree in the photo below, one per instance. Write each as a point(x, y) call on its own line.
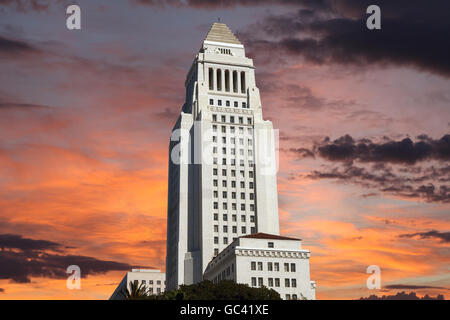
point(135, 291)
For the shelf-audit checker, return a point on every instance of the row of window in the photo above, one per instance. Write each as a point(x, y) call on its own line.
point(234, 228)
point(233, 174)
point(233, 217)
point(224, 274)
point(233, 151)
point(233, 129)
point(274, 282)
point(233, 140)
point(150, 282)
point(233, 207)
point(231, 80)
point(233, 195)
point(228, 103)
point(223, 118)
point(272, 266)
point(233, 182)
point(233, 162)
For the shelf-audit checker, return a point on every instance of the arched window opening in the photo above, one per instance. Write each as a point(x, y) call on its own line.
point(211, 78)
point(219, 80)
point(227, 80)
point(243, 86)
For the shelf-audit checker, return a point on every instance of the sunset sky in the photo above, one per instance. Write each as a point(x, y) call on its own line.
point(86, 115)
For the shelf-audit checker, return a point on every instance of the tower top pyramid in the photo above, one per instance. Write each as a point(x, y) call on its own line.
point(220, 32)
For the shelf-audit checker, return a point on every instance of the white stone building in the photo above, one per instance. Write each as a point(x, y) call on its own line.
point(259, 259)
point(154, 281)
point(222, 161)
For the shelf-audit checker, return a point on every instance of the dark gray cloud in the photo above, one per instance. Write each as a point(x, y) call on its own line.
point(13, 46)
point(2, 290)
point(404, 296)
point(23, 258)
point(442, 236)
point(336, 33)
point(411, 287)
point(405, 151)
point(386, 180)
point(14, 241)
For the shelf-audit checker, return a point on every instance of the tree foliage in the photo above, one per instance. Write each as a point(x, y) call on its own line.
point(224, 290)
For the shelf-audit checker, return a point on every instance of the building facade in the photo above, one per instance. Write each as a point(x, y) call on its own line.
point(260, 259)
point(222, 160)
point(154, 281)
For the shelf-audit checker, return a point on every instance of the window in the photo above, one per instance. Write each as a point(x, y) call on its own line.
point(235, 104)
point(216, 216)
point(243, 86)
point(216, 228)
point(224, 194)
point(260, 266)
point(294, 297)
point(252, 230)
point(219, 102)
point(224, 119)
point(277, 282)
point(219, 79)
point(233, 207)
point(233, 217)
point(216, 205)
point(214, 117)
point(225, 229)
point(244, 105)
point(211, 102)
point(227, 103)
point(270, 282)
point(276, 266)
point(158, 290)
point(260, 282)
point(234, 229)
point(242, 206)
point(215, 171)
point(253, 282)
point(225, 240)
point(224, 129)
point(231, 118)
point(270, 244)
point(269, 266)
point(286, 267)
point(215, 182)
point(294, 283)
point(144, 282)
point(211, 78)
point(150, 282)
point(288, 297)
point(216, 240)
point(241, 121)
point(224, 172)
point(253, 265)
point(250, 174)
point(287, 283)
point(243, 230)
point(250, 184)
point(224, 183)
point(216, 251)
point(243, 218)
point(233, 195)
point(233, 184)
point(225, 217)
point(252, 196)
point(292, 267)
point(242, 195)
point(249, 120)
point(252, 207)
point(216, 194)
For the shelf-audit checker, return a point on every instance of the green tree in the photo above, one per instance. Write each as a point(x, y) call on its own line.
point(136, 291)
point(224, 290)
